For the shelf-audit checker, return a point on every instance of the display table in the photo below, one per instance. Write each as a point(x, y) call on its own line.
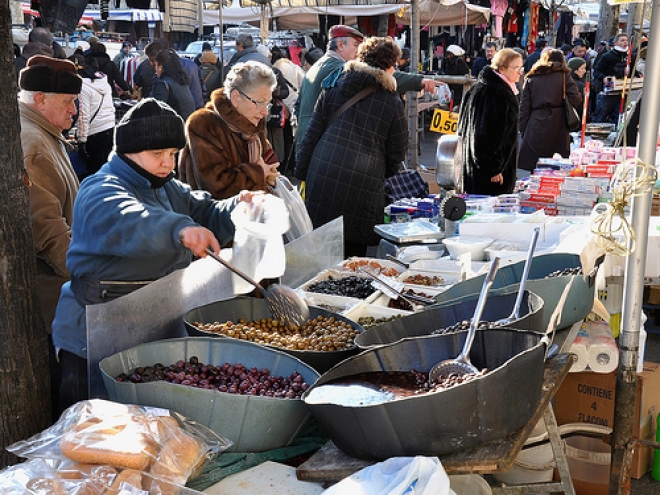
point(329, 464)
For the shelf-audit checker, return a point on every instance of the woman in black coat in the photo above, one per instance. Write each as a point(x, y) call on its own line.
point(345, 165)
point(488, 125)
point(542, 115)
point(171, 85)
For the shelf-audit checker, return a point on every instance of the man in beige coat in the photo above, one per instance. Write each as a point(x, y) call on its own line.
point(49, 88)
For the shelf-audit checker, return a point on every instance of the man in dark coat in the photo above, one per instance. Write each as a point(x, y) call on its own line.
point(245, 50)
point(612, 64)
point(479, 63)
point(488, 125)
point(534, 57)
point(40, 42)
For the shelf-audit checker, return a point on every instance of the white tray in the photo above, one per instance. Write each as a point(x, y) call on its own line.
point(365, 309)
point(449, 278)
point(336, 304)
point(376, 264)
point(336, 274)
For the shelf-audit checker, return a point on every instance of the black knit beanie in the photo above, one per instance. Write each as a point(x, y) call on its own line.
point(149, 125)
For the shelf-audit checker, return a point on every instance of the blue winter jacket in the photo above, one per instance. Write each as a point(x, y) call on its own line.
point(125, 230)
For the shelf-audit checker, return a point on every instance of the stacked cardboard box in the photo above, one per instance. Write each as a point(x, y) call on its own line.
point(589, 397)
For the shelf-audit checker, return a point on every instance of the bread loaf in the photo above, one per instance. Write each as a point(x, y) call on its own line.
point(117, 441)
point(176, 461)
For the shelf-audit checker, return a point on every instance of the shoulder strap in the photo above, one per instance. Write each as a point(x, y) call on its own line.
point(97, 110)
point(348, 104)
point(208, 76)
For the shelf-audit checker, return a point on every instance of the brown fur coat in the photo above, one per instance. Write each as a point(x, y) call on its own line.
point(215, 158)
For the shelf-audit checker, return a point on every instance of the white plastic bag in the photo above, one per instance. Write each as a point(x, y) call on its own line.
point(397, 476)
point(258, 243)
point(299, 219)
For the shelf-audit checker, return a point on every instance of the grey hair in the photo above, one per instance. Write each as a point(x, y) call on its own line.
point(26, 96)
point(333, 44)
point(246, 76)
point(244, 39)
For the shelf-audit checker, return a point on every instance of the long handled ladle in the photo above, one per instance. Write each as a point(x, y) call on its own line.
point(515, 314)
point(462, 365)
point(282, 301)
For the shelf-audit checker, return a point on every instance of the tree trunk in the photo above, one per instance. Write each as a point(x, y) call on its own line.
point(608, 23)
point(24, 373)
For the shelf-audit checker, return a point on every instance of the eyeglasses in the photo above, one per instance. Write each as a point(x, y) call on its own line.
point(258, 104)
point(519, 68)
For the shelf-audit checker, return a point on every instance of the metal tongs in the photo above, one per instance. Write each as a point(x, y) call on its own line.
point(410, 298)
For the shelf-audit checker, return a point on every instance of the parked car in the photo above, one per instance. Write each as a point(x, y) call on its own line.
point(195, 48)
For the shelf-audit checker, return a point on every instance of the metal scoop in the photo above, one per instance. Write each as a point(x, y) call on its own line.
point(515, 314)
point(462, 365)
point(282, 301)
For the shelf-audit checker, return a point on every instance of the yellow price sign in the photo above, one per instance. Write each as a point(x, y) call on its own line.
point(444, 121)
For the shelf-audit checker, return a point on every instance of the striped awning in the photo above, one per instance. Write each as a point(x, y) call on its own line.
point(131, 15)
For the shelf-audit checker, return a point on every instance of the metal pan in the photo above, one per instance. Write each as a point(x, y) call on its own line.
point(254, 309)
point(438, 317)
point(458, 418)
point(580, 299)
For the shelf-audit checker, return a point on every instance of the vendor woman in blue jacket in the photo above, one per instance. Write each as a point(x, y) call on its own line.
point(134, 223)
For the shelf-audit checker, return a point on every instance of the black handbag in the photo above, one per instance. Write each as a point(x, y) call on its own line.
point(573, 120)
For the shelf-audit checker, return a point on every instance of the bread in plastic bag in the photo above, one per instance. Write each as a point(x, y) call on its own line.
point(63, 477)
point(163, 448)
point(258, 244)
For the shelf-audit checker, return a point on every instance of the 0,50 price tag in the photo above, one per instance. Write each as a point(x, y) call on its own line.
point(444, 121)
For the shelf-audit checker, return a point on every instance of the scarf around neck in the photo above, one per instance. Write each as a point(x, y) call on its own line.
point(252, 139)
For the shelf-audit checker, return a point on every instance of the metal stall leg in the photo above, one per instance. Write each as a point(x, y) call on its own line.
point(565, 484)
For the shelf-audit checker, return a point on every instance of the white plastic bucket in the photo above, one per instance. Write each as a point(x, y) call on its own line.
point(532, 465)
point(469, 484)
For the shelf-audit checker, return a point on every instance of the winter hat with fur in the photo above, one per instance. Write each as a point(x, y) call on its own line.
point(149, 125)
point(50, 75)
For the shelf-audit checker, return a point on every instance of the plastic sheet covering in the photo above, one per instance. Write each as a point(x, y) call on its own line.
point(154, 312)
point(310, 439)
point(313, 252)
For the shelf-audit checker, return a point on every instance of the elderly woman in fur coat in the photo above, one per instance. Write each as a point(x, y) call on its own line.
point(345, 164)
point(226, 146)
point(542, 115)
point(488, 124)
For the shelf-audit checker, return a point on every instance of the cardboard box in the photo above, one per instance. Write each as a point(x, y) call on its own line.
point(588, 397)
point(429, 178)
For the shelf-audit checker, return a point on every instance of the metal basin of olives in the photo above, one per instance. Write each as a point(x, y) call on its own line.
point(253, 423)
point(436, 318)
point(578, 304)
point(251, 309)
point(458, 418)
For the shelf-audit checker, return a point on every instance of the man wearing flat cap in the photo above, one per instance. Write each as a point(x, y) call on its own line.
point(342, 48)
point(49, 88)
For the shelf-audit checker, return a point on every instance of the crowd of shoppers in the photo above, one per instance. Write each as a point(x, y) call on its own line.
point(220, 133)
